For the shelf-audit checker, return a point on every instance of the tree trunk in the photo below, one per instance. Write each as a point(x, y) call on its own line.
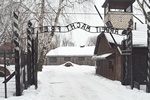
point(42, 56)
point(41, 61)
point(40, 64)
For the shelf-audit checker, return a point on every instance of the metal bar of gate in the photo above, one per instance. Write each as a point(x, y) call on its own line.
point(36, 60)
point(30, 30)
point(33, 59)
point(129, 47)
point(29, 55)
point(148, 62)
point(5, 74)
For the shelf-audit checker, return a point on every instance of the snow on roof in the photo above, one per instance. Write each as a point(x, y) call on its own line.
point(139, 35)
point(117, 37)
point(139, 38)
point(141, 27)
point(101, 57)
point(72, 51)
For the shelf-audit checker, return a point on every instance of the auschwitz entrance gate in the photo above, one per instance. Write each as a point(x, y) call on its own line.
point(26, 61)
point(26, 73)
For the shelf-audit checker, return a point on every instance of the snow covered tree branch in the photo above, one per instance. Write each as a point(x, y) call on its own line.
point(144, 6)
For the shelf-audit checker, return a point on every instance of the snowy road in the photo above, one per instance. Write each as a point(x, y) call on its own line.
point(81, 83)
point(77, 83)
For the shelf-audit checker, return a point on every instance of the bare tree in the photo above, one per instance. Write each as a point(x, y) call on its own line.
point(62, 7)
point(56, 41)
point(144, 6)
point(67, 42)
point(41, 13)
point(6, 21)
point(5, 16)
point(91, 41)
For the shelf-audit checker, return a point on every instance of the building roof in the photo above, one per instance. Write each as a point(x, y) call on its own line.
point(101, 57)
point(72, 51)
point(117, 37)
point(118, 4)
point(139, 36)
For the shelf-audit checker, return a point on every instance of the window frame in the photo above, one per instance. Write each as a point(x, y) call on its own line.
point(53, 59)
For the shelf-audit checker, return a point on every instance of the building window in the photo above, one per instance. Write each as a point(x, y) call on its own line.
point(111, 65)
point(53, 60)
point(81, 58)
point(117, 10)
point(67, 58)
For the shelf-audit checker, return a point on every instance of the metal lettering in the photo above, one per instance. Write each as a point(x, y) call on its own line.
point(67, 27)
point(83, 26)
point(59, 28)
point(78, 24)
point(52, 28)
point(88, 28)
point(96, 29)
point(45, 28)
point(72, 26)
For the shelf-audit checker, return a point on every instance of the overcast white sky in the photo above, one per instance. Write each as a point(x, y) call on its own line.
point(80, 36)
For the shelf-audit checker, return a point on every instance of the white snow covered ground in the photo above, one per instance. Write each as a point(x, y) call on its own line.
point(74, 83)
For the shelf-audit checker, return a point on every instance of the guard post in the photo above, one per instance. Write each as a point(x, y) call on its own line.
point(18, 69)
point(32, 55)
point(29, 52)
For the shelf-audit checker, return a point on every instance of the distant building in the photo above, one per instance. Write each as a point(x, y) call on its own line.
point(8, 48)
point(79, 55)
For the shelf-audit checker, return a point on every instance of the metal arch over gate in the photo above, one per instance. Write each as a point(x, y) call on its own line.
point(72, 26)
